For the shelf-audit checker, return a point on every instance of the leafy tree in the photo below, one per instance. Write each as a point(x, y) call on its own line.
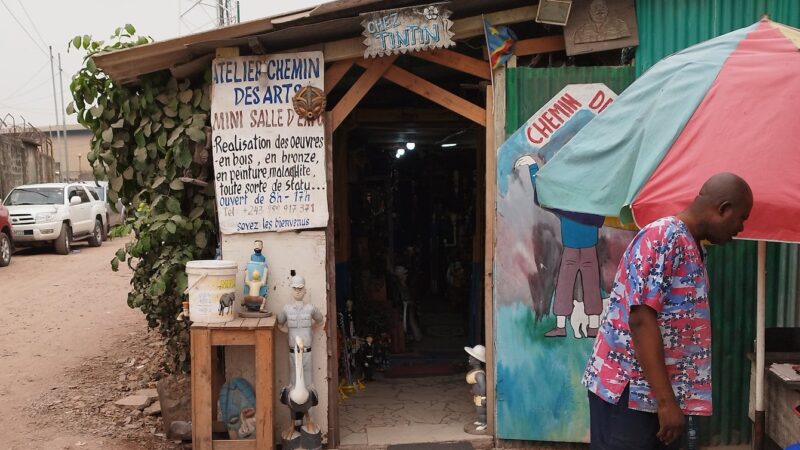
point(142, 143)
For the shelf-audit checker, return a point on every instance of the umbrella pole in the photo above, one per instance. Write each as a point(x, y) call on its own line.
point(758, 438)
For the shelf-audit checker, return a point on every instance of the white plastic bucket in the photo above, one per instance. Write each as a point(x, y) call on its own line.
point(212, 290)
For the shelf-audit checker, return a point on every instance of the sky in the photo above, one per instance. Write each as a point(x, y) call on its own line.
point(28, 27)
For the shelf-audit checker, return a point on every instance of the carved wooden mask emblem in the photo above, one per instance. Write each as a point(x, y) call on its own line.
point(309, 102)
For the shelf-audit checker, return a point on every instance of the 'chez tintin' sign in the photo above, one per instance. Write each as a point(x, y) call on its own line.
point(400, 30)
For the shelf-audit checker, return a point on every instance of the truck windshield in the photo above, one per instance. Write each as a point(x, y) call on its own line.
point(36, 196)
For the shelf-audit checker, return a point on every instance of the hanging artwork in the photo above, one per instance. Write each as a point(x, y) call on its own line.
point(598, 25)
point(415, 28)
point(553, 270)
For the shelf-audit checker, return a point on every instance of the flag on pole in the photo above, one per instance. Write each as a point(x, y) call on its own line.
point(499, 42)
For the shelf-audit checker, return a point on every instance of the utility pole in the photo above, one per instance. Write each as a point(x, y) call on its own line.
point(64, 115)
point(65, 169)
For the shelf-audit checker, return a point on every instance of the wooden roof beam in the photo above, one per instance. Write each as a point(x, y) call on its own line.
point(539, 45)
point(433, 93)
point(335, 73)
point(375, 69)
point(457, 61)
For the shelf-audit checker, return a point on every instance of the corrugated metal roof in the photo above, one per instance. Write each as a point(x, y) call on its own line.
point(321, 24)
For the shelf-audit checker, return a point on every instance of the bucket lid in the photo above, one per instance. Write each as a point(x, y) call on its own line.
point(212, 264)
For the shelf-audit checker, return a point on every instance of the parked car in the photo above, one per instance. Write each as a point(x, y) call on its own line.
point(113, 218)
point(6, 243)
point(55, 214)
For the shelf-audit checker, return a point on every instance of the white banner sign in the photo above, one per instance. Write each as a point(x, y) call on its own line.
point(269, 163)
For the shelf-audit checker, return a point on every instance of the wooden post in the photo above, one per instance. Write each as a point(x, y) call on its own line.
point(495, 135)
point(330, 266)
point(265, 388)
point(201, 389)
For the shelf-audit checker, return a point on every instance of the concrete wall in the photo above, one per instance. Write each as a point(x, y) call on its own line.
point(303, 252)
point(21, 162)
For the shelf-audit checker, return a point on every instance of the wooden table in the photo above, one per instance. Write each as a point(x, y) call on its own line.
point(255, 332)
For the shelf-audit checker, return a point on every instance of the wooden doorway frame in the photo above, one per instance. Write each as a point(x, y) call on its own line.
point(375, 69)
point(347, 53)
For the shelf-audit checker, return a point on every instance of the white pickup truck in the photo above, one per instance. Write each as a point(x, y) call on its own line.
point(56, 213)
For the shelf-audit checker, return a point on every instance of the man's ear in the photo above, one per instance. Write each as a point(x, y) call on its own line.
point(724, 207)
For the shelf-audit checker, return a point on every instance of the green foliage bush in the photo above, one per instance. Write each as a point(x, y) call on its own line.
point(142, 143)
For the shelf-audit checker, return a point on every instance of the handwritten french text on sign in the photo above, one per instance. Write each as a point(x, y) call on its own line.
point(399, 30)
point(269, 163)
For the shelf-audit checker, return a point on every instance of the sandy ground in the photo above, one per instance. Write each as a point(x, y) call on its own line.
point(58, 312)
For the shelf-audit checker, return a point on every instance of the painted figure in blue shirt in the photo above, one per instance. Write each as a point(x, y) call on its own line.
point(579, 236)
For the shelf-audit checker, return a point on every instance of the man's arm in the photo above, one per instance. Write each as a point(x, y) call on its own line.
point(649, 347)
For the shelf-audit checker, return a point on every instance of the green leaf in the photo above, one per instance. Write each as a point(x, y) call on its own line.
point(168, 123)
point(196, 212)
point(119, 143)
point(162, 139)
point(130, 29)
point(116, 183)
point(71, 108)
point(141, 154)
point(76, 42)
point(185, 112)
point(176, 133)
point(115, 264)
point(185, 96)
point(173, 205)
point(128, 173)
point(170, 112)
point(118, 124)
point(108, 135)
point(170, 227)
point(97, 111)
point(120, 255)
point(91, 65)
point(196, 134)
point(176, 185)
point(139, 138)
point(157, 182)
point(158, 287)
point(86, 40)
point(183, 157)
point(200, 239)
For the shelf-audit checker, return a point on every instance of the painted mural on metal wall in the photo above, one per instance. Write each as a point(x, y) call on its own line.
point(553, 271)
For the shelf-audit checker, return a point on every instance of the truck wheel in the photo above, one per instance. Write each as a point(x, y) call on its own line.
point(5, 250)
point(96, 239)
point(64, 240)
point(106, 229)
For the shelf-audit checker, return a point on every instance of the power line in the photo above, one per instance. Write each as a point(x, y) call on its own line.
point(17, 92)
point(32, 22)
point(23, 28)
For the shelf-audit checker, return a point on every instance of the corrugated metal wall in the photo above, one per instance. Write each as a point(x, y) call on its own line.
point(664, 28)
point(528, 89)
point(668, 26)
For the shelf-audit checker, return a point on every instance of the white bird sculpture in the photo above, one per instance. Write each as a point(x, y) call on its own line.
point(298, 397)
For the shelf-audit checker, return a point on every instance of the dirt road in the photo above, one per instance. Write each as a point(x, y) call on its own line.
point(58, 312)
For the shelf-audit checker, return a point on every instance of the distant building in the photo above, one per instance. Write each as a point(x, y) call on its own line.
point(78, 146)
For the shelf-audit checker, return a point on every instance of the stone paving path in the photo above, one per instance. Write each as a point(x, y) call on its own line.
point(407, 410)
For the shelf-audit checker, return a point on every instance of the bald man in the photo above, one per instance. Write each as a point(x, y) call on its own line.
point(651, 363)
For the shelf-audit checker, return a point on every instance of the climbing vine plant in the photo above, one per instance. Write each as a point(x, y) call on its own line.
point(143, 141)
